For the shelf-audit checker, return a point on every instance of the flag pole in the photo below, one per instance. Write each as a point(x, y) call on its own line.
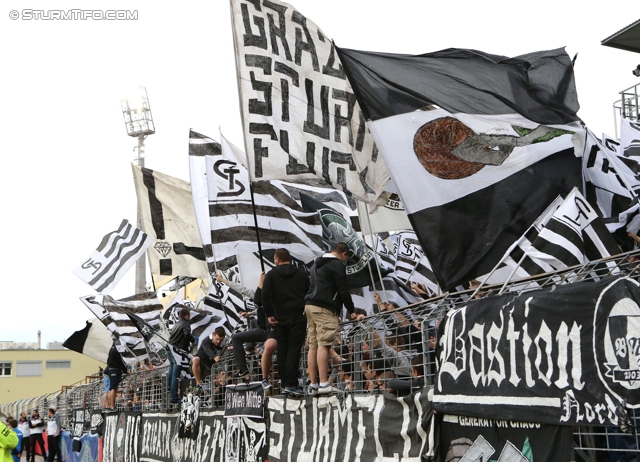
point(373, 282)
point(524, 254)
point(373, 246)
point(255, 220)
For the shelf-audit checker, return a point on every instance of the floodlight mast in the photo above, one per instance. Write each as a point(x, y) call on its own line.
point(139, 124)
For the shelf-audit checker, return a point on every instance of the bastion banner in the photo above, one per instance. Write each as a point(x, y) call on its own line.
point(566, 355)
point(469, 439)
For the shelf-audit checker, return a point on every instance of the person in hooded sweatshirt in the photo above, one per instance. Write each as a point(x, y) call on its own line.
point(328, 292)
point(283, 292)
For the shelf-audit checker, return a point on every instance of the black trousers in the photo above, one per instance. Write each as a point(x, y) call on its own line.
point(54, 447)
point(26, 447)
point(290, 336)
point(237, 340)
point(37, 438)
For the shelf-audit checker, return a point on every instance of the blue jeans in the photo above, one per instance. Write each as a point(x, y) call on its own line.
point(173, 377)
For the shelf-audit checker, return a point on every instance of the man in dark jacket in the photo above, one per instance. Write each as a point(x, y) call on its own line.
point(182, 339)
point(209, 353)
point(327, 294)
point(283, 292)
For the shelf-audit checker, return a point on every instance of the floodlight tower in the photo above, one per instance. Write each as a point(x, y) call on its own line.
point(139, 124)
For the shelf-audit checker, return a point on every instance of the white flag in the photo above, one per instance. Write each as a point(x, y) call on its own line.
point(117, 252)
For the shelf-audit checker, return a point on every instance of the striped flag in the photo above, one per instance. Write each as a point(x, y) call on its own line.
point(610, 185)
point(630, 144)
point(117, 252)
point(227, 220)
point(411, 263)
point(114, 315)
point(202, 321)
point(573, 235)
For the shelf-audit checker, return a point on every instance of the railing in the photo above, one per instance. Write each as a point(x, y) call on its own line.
point(627, 106)
point(367, 357)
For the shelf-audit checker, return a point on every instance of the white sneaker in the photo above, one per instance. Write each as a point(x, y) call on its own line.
point(327, 390)
point(312, 391)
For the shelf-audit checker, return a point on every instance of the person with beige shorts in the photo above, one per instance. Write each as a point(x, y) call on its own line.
point(327, 293)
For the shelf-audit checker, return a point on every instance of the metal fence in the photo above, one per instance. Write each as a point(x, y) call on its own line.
point(392, 350)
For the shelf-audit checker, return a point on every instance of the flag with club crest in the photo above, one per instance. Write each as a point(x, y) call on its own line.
point(117, 252)
point(301, 119)
point(229, 214)
point(411, 263)
point(477, 144)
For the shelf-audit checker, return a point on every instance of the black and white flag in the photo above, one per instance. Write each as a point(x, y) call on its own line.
point(574, 235)
point(155, 340)
point(203, 321)
point(117, 252)
point(301, 119)
point(630, 144)
point(229, 211)
point(475, 173)
point(113, 314)
point(226, 304)
point(167, 214)
point(94, 340)
point(610, 185)
point(411, 263)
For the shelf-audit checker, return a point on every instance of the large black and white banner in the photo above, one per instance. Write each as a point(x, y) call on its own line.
point(244, 400)
point(217, 438)
point(121, 433)
point(301, 119)
point(363, 427)
point(566, 355)
point(470, 439)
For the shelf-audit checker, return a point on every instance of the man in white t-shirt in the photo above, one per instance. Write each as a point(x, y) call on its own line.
point(54, 428)
point(36, 425)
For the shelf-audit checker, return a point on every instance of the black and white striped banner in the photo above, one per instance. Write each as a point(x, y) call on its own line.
point(117, 252)
point(610, 185)
point(113, 314)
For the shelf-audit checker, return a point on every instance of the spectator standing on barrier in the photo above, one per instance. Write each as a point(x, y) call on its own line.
point(54, 427)
point(256, 335)
point(23, 425)
point(327, 293)
point(283, 292)
point(16, 452)
point(182, 339)
point(8, 441)
point(209, 353)
point(106, 386)
point(36, 425)
point(116, 368)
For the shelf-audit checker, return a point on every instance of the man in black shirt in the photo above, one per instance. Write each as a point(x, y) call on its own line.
point(209, 353)
point(182, 339)
point(115, 369)
point(283, 294)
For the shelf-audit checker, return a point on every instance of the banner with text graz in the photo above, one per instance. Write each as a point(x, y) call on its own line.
point(218, 438)
point(362, 427)
point(469, 439)
point(565, 355)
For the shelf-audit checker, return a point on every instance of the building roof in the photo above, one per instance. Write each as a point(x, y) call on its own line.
point(627, 38)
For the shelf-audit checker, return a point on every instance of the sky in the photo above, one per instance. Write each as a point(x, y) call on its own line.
point(66, 175)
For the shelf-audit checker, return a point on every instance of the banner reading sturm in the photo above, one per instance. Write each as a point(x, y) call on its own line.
point(566, 355)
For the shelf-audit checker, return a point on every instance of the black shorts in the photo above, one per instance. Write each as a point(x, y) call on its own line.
point(115, 376)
